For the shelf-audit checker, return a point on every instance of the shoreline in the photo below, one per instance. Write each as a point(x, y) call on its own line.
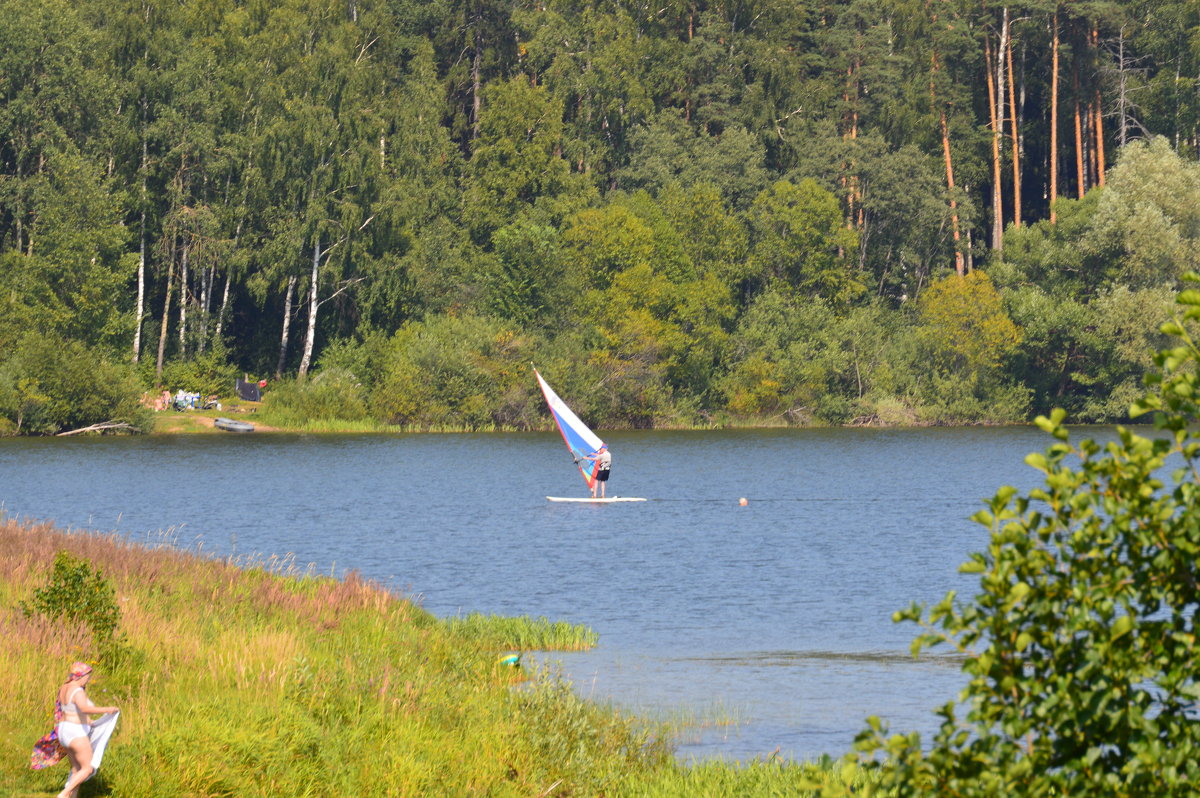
point(397, 700)
point(202, 422)
point(172, 422)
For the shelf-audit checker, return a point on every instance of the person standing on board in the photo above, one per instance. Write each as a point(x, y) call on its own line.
point(603, 460)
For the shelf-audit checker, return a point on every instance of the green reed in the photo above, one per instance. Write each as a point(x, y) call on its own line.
point(253, 676)
point(523, 633)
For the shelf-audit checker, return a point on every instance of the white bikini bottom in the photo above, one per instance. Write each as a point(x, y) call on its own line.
point(68, 731)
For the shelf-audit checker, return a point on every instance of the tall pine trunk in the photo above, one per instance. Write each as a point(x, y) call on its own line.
point(993, 105)
point(1016, 138)
point(1054, 121)
point(1098, 123)
point(1079, 167)
point(959, 265)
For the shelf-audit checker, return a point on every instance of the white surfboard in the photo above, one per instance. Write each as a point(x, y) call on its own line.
point(590, 500)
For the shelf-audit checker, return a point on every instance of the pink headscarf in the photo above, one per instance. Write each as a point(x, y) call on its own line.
point(78, 671)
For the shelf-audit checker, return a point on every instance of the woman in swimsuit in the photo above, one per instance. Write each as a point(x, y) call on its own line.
point(74, 725)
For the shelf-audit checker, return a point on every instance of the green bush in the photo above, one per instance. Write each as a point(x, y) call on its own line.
point(1080, 645)
point(332, 394)
point(78, 593)
point(49, 384)
point(207, 374)
point(463, 372)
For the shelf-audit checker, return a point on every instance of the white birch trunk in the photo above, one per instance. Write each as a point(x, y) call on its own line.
point(237, 236)
point(310, 335)
point(183, 290)
point(224, 307)
point(141, 294)
point(162, 335)
point(287, 324)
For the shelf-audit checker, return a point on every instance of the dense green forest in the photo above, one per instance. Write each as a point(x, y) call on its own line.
point(744, 211)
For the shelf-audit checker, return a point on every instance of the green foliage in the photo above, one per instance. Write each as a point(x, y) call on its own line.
point(713, 237)
point(71, 281)
point(669, 152)
point(48, 385)
point(331, 395)
point(197, 171)
point(516, 159)
point(801, 241)
point(1055, 257)
point(77, 593)
point(1080, 644)
point(904, 230)
point(456, 373)
point(966, 324)
point(1148, 216)
point(209, 373)
point(963, 339)
point(1140, 231)
point(526, 285)
point(800, 362)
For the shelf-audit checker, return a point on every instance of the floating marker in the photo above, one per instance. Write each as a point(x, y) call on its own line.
point(743, 501)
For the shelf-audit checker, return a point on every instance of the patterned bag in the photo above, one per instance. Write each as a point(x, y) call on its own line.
point(47, 751)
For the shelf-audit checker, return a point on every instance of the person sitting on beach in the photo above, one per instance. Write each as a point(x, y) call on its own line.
point(75, 725)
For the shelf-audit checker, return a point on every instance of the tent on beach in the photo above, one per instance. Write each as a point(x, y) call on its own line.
point(248, 391)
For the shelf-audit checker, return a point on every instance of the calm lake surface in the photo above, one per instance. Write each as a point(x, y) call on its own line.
point(776, 614)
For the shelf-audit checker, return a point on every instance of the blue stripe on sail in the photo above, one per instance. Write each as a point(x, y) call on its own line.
point(579, 439)
point(578, 446)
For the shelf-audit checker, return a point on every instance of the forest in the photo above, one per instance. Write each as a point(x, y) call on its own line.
point(709, 212)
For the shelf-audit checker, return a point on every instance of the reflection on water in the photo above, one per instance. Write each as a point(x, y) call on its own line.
point(779, 611)
point(792, 658)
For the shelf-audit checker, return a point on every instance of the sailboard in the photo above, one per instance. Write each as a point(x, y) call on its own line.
point(581, 441)
point(590, 500)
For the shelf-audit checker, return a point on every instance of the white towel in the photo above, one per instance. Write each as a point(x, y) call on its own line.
point(101, 730)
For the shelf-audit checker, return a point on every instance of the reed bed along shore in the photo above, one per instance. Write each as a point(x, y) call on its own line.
point(252, 678)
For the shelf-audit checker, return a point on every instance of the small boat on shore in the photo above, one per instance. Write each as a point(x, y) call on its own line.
point(233, 425)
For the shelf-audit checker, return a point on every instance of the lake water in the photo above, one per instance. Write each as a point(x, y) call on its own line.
point(776, 614)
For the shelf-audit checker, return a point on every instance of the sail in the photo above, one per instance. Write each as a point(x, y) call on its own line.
point(579, 439)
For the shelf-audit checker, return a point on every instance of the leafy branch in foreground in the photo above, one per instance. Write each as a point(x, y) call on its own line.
point(1081, 642)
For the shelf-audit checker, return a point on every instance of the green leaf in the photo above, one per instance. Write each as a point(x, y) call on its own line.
point(1121, 627)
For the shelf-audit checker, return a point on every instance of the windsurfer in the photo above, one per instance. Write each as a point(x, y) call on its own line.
point(603, 460)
